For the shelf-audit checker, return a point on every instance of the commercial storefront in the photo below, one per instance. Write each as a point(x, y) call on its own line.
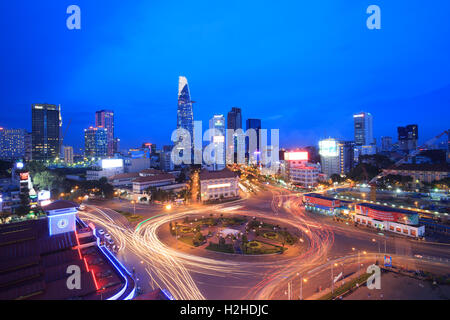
point(385, 218)
point(321, 204)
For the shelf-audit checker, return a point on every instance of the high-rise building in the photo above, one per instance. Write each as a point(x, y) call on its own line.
point(363, 129)
point(96, 142)
point(46, 131)
point(336, 156)
point(346, 156)
point(68, 155)
point(217, 123)
point(253, 155)
point(105, 119)
point(407, 137)
point(185, 114)
point(165, 161)
point(234, 122)
point(12, 144)
point(386, 144)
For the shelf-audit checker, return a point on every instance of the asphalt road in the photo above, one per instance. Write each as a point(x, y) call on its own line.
point(190, 273)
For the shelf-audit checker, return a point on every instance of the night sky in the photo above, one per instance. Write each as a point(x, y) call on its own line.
point(301, 66)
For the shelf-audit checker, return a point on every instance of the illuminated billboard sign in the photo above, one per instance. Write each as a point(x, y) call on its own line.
point(389, 215)
point(44, 195)
point(24, 176)
point(112, 163)
point(296, 156)
point(328, 148)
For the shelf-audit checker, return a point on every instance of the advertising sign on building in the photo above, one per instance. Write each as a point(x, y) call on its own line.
point(388, 261)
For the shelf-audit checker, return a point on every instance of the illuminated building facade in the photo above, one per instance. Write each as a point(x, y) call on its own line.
point(363, 129)
point(95, 142)
point(218, 185)
point(217, 123)
point(185, 114)
point(105, 119)
point(234, 122)
point(407, 137)
point(46, 131)
point(253, 155)
point(336, 157)
point(12, 144)
point(68, 155)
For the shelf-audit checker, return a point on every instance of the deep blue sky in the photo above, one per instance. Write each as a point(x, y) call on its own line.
point(301, 66)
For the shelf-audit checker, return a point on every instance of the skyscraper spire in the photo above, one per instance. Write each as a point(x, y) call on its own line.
point(185, 115)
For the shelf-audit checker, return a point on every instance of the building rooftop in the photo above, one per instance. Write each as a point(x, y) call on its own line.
point(386, 208)
point(158, 177)
point(319, 196)
point(150, 172)
point(212, 175)
point(125, 176)
point(34, 265)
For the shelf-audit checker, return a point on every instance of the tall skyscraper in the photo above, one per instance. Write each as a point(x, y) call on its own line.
point(234, 122)
point(12, 144)
point(105, 119)
point(254, 124)
point(46, 131)
point(218, 138)
point(96, 142)
point(363, 129)
point(407, 137)
point(185, 114)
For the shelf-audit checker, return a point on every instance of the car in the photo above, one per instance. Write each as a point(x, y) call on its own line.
point(110, 241)
point(418, 256)
point(108, 236)
point(101, 232)
point(82, 207)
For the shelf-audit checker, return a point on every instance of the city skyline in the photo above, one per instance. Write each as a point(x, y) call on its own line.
point(295, 86)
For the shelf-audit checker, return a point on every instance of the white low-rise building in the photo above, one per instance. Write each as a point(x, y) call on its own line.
point(305, 175)
point(159, 180)
point(216, 185)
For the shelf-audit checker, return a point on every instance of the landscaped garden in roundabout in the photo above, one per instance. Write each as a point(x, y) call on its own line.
point(237, 234)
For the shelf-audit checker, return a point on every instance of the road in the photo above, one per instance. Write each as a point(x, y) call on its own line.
point(189, 273)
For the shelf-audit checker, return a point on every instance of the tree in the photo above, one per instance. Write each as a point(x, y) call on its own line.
point(46, 180)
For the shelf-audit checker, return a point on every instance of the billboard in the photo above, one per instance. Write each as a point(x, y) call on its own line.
point(389, 215)
point(112, 163)
point(24, 176)
point(296, 156)
point(44, 195)
point(328, 148)
point(321, 202)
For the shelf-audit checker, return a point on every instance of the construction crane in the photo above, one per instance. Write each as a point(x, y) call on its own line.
point(384, 173)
